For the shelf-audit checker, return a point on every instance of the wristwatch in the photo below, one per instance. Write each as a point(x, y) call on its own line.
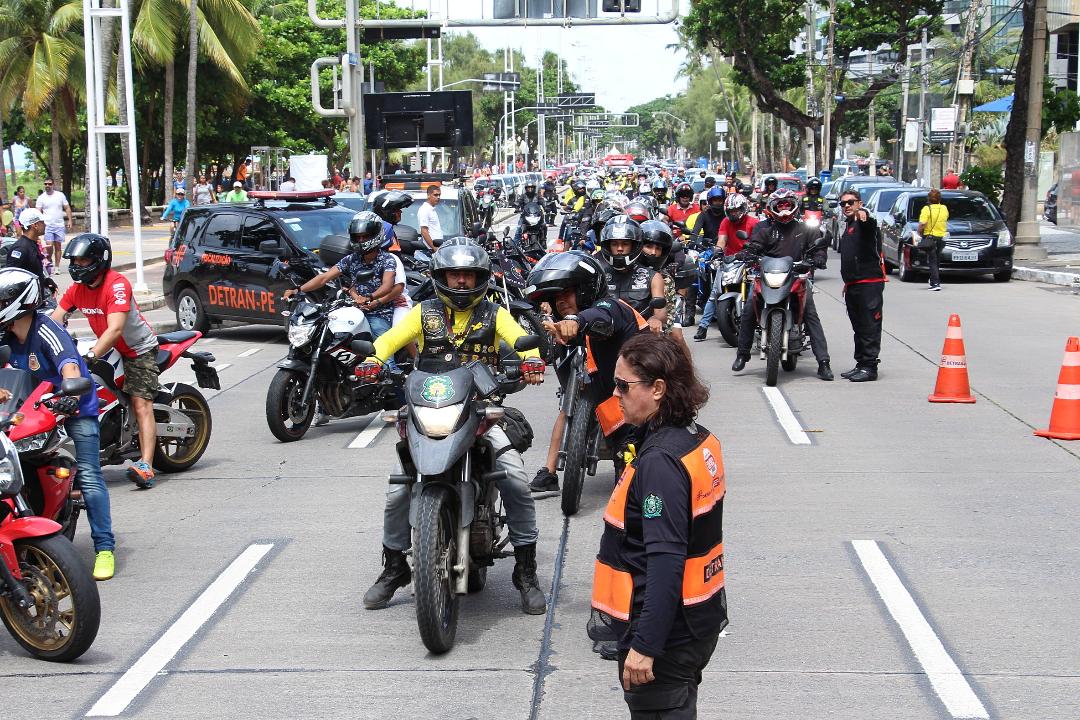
point(90, 355)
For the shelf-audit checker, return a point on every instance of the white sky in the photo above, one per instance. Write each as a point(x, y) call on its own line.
point(624, 66)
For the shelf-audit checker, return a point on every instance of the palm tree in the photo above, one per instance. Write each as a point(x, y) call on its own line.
point(193, 61)
point(41, 66)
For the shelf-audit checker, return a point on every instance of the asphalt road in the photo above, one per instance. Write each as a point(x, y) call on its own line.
point(973, 516)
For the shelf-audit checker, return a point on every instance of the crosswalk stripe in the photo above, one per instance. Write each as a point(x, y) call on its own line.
point(249, 353)
point(368, 434)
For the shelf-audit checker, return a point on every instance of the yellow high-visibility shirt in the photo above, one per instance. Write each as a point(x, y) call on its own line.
point(410, 328)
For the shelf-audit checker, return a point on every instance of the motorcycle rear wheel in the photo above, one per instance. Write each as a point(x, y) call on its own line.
point(170, 456)
point(66, 614)
point(577, 445)
point(774, 345)
point(283, 407)
point(433, 571)
point(727, 320)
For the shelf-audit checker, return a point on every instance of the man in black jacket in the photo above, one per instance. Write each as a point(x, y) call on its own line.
point(784, 236)
point(864, 285)
point(25, 252)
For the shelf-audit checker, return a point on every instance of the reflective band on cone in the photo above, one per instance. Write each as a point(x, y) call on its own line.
point(952, 378)
point(1065, 414)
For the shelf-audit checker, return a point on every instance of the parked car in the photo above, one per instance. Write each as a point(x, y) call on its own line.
point(879, 203)
point(1050, 207)
point(978, 243)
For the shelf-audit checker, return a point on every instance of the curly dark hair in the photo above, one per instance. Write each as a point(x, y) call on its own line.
point(658, 357)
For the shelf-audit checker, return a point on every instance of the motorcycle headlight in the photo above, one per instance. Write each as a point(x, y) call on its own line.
point(731, 276)
point(1004, 238)
point(813, 222)
point(774, 280)
point(11, 479)
point(32, 443)
point(300, 334)
point(532, 219)
point(438, 422)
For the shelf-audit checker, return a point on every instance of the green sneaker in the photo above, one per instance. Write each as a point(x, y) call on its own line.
point(104, 565)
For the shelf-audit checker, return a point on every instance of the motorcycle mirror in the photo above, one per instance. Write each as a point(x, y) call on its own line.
point(527, 342)
point(363, 348)
point(477, 229)
point(506, 231)
point(741, 234)
point(5, 354)
point(363, 276)
point(657, 303)
point(821, 241)
point(75, 387)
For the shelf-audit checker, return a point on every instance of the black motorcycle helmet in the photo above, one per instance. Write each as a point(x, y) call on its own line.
point(658, 233)
point(600, 218)
point(387, 203)
point(621, 227)
point(365, 232)
point(460, 253)
point(684, 190)
point(578, 186)
point(93, 246)
point(20, 294)
point(813, 186)
point(560, 271)
point(770, 180)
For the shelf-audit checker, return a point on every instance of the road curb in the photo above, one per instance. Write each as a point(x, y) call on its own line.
point(124, 267)
point(1052, 277)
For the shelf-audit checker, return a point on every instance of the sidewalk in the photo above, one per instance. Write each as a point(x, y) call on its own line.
point(1062, 266)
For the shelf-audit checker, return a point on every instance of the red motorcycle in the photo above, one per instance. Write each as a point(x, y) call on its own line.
point(780, 292)
point(180, 410)
point(48, 599)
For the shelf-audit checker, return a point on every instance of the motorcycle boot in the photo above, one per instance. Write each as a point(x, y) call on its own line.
point(395, 574)
point(533, 601)
point(700, 334)
point(824, 371)
point(740, 363)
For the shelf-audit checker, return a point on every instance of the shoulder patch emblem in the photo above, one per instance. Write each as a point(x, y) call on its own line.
point(652, 506)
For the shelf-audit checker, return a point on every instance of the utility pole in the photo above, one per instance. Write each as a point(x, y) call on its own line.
point(1027, 230)
point(905, 85)
point(826, 139)
point(924, 71)
point(811, 100)
point(965, 84)
point(873, 135)
point(754, 134)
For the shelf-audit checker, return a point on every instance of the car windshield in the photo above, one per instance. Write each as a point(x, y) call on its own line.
point(792, 184)
point(961, 207)
point(307, 228)
point(449, 216)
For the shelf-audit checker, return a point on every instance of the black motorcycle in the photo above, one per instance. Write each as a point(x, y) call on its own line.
point(449, 466)
point(533, 237)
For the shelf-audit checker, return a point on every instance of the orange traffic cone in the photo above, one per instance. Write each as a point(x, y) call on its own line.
point(952, 378)
point(1065, 415)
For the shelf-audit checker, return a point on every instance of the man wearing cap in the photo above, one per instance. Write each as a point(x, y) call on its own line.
point(25, 252)
point(237, 194)
point(177, 206)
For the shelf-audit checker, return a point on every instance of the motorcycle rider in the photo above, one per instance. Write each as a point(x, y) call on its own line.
point(813, 200)
point(660, 193)
point(656, 253)
point(707, 227)
point(782, 235)
point(768, 187)
point(388, 205)
point(45, 350)
point(573, 284)
point(529, 196)
point(573, 200)
point(627, 278)
point(737, 217)
point(684, 207)
point(703, 196)
point(458, 325)
point(104, 297)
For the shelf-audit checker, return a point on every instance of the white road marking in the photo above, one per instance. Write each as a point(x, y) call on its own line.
point(207, 339)
point(221, 366)
point(128, 687)
point(368, 434)
point(787, 418)
point(249, 353)
point(945, 677)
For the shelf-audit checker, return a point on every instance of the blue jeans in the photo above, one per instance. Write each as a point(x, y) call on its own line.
point(708, 314)
point(84, 432)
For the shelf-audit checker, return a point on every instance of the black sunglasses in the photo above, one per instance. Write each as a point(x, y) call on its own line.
point(847, 203)
point(623, 386)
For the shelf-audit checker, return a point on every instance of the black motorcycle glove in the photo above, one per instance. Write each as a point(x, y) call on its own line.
point(65, 406)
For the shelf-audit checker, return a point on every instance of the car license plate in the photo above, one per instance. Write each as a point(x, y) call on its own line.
point(965, 256)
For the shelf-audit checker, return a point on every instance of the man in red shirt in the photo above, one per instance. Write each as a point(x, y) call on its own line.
point(738, 217)
point(104, 297)
point(683, 208)
point(951, 181)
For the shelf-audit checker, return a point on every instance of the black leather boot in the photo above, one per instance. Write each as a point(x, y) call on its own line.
point(740, 363)
point(533, 601)
point(395, 574)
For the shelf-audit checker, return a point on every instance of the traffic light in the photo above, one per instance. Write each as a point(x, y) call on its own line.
point(621, 6)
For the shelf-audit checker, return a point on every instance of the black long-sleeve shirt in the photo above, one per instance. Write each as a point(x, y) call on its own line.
point(860, 257)
point(24, 253)
point(791, 239)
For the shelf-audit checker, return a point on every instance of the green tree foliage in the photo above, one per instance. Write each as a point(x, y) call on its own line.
point(988, 180)
point(1061, 109)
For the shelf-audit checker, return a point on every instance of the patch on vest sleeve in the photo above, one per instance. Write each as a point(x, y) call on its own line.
point(652, 506)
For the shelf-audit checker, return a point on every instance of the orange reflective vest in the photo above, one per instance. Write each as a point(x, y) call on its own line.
point(609, 413)
point(618, 592)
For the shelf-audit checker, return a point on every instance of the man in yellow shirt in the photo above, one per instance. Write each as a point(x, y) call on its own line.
point(458, 326)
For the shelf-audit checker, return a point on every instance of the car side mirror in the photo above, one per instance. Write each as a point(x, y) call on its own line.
point(5, 355)
point(75, 387)
point(527, 342)
point(273, 247)
point(362, 348)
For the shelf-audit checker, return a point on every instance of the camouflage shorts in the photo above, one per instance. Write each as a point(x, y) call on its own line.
point(669, 295)
point(141, 375)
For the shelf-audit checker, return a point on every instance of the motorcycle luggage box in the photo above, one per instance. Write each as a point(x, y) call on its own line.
point(333, 248)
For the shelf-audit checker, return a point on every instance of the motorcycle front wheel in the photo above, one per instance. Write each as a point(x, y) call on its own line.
point(433, 571)
point(774, 346)
point(286, 416)
point(63, 621)
point(577, 446)
point(727, 319)
point(170, 455)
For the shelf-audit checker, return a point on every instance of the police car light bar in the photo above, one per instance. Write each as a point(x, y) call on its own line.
point(277, 195)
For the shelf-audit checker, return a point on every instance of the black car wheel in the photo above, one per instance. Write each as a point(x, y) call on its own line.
point(190, 314)
point(903, 271)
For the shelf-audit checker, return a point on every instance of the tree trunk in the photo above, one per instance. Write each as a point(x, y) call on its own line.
point(144, 180)
point(54, 143)
point(167, 130)
point(11, 167)
point(1016, 133)
point(3, 170)
point(193, 59)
